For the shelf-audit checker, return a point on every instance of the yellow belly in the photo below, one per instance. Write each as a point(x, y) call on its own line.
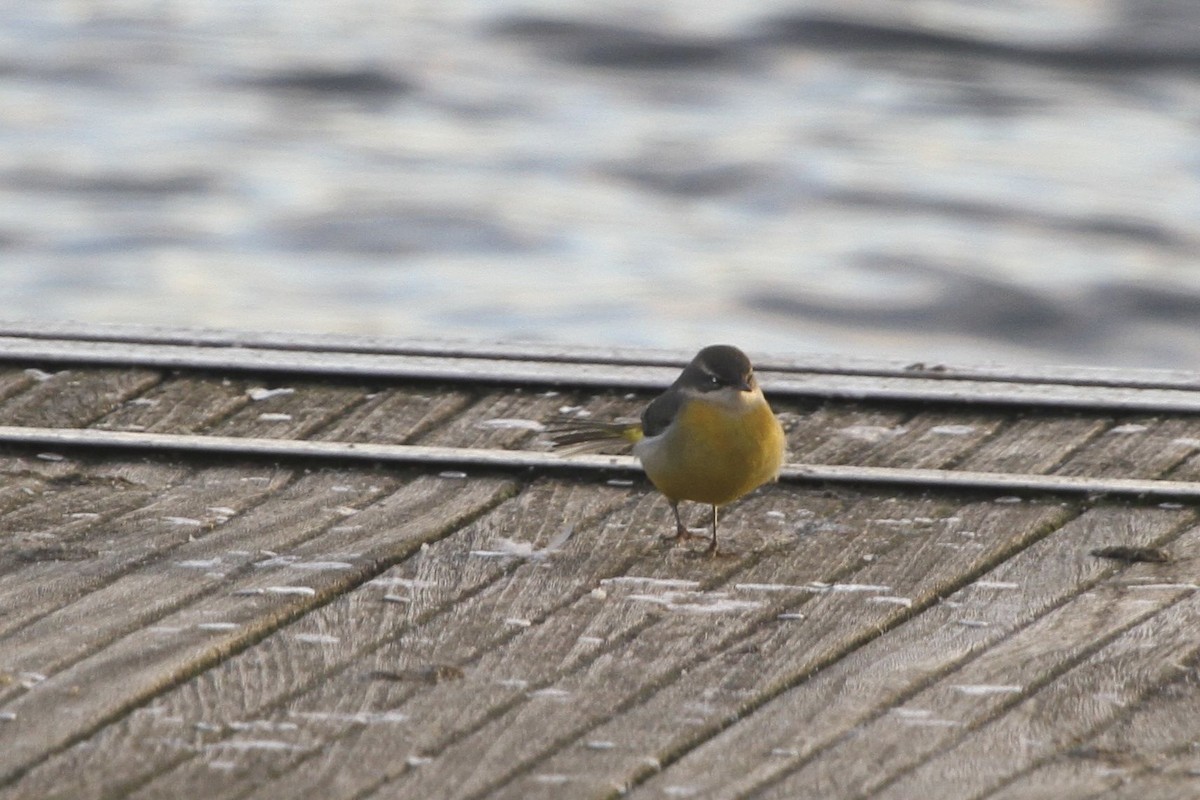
point(714, 455)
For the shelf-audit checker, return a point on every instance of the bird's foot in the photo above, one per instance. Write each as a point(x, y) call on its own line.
point(681, 535)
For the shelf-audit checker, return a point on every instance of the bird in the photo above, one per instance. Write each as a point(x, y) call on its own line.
point(710, 438)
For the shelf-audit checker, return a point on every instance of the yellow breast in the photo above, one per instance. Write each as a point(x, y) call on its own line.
point(714, 454)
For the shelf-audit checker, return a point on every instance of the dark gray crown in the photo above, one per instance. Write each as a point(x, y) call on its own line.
point(717, 366)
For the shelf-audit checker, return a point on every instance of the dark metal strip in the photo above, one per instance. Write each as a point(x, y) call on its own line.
point(457, 457)
point(361, 366)
point(66, 333)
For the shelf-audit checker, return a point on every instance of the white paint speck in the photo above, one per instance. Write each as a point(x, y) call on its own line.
point(661, 583)
point(30, 679)
point(1130, 428)
point(306, 591)
point(996, 585)
point(953, 430)
point(518, 622)
point(453, 474)
point(982, 689)
point(51, 457)
point(274, 416)
point(408, 583)
point(1007, 499)
point(1163, 586)
point(550, 694)
point(911, 713)
point(895, 601)
point(599, 744)
point(357, 717)
point(553, 779)
point(503, 423)
point(218, 626)
point(870, 433)
point(770, 587)
point(320, 565)
point(619, 482)
point(261, 393)
point(257, 725)
point(252, 744)
point(200, 563)
point(188, 522)
point(316, 638)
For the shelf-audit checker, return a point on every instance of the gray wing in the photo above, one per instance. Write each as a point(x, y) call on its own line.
point(661, 411)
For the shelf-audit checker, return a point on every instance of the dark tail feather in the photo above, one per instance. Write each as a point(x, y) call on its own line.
point(574, 435)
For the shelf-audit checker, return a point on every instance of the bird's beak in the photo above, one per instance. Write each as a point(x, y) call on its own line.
point(746, 385)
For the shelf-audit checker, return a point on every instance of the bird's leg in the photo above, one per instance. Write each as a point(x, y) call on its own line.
point(681, 531)
point(712, 543)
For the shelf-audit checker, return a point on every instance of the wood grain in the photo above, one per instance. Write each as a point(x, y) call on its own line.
point(1074, 678)
point(71, 704)
point(72, 398)
point(444, 586)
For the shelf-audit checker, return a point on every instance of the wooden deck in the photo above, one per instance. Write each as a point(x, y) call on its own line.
point(459, 614)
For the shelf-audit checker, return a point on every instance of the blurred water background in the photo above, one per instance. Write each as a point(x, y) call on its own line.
point(962, 180)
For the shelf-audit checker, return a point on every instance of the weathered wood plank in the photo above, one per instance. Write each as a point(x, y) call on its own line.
point(1146, 752)
point(72, 398)
point(1139, 662)
point(72, 704)
point(511, 419)
point(397, 416)
point(660, 728)
point(285, 411)
point(1034, 444)
point(1071, 684)
point(190, 503)
point(445, 579)
point(88, 594)
point(800, 724)
point(927, 722)
point(931, 439)
point(642, 662)
point(1137, 447)
point(55, 525)
point(179, 405)
point(665, 654)
point(535, 654)
point(839, 434)
point(14, 380)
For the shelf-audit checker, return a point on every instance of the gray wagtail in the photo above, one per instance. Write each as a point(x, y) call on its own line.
point(710, 438)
